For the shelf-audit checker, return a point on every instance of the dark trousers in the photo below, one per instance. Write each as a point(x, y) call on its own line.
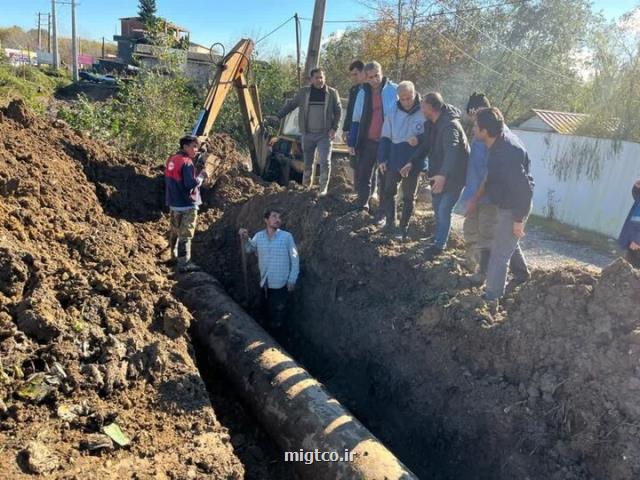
point(275, 305)
point(633, 257)
point(388, 198)
point(365, 172)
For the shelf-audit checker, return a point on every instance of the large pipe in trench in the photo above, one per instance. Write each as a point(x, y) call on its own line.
point(294, 407)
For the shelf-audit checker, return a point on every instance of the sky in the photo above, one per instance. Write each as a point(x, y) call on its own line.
point(217, 21)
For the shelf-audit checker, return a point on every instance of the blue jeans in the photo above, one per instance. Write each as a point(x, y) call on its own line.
point(443, 204)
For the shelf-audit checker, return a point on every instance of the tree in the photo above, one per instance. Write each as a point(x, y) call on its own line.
point(147, 10)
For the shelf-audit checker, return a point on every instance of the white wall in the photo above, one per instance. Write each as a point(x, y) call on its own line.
point(591, 185)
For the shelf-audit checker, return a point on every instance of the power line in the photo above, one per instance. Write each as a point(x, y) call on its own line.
point(437, 14)
point(497, 42)
point(484, 65)
point(275, 29)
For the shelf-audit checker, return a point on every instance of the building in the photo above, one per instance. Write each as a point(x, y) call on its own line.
point(133, 47)
point(580, 180)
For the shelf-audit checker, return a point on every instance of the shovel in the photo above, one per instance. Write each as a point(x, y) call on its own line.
point(243, 256)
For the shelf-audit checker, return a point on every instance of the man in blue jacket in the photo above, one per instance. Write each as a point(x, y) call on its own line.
point(509, 186)
point(629, 239)
point(182, 191)
point(398, 143)
point(374, 101)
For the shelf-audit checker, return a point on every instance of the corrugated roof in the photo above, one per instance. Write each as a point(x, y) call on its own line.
point(561, 122)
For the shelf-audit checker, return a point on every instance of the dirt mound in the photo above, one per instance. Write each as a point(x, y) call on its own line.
point(95, 371)
point(546, 389)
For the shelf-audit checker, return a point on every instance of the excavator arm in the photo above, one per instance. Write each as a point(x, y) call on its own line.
point(232, 73)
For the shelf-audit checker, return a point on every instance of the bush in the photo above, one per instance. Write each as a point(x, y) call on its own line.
point(148, 116)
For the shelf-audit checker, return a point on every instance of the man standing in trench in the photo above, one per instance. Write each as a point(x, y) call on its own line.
point(319, 111)
point(510, 187)
point(278, 262)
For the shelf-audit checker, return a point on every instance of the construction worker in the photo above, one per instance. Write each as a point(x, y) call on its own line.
point(445, 142)
point(182, 189)
point(374, 101)
point(479, 213)
point(509, 186)
point(629, 239)
point(278, 263)
point(319, 111)
point(398, 143)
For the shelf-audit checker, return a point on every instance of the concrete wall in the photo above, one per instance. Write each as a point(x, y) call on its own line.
point(581, 181)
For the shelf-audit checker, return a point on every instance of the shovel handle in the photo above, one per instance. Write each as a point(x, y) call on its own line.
point(243, 257)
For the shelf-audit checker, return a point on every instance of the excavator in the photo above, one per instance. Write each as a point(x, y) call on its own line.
point(276, 158)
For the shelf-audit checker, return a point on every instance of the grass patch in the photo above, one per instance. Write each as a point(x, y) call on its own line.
point(35, 85)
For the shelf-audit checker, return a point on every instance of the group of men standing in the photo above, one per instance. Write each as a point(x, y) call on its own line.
point(395, 135)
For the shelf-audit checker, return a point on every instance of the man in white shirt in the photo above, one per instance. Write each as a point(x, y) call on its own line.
point(278, 262)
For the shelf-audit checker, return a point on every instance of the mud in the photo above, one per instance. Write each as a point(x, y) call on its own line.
point(545, 389)
point(90, 334)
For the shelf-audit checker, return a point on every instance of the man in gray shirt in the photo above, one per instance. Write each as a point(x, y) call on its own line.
point(318, 118)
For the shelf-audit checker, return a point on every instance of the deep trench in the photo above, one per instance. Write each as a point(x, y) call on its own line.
point(421, 443)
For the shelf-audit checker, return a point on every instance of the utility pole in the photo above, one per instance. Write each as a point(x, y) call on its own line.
point(54, 29)
point(298, 50)
point(103, 47)
point(315, 37)
point(74, 42)
point(39, 31)
point(49, 33)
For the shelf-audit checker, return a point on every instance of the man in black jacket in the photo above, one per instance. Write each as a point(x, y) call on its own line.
point(445, 142)
point(356, 73)
point(510, 187)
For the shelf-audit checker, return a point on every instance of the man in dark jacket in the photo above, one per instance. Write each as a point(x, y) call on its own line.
point(445, 142)
point(182, 192)
point(319, 111)
point(356, 73)
point(510, 187)
point(629, 239)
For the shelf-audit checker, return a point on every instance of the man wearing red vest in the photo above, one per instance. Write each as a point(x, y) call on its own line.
point(182, 188)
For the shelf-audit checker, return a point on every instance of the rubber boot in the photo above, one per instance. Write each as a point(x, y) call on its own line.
point(173, 247)
point(306, 177)
point(184, 257)
point(324, 181)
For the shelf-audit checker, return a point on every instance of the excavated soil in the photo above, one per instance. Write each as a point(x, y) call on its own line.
point(545, 389)
point(90, 335)
point(92, 342)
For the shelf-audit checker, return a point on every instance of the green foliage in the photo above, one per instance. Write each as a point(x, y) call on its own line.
point(148, 116)
point(523, 55)
point(34, 85)
point(147, 10)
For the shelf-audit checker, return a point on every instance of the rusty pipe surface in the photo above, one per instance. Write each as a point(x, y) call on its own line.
point(296, 409)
